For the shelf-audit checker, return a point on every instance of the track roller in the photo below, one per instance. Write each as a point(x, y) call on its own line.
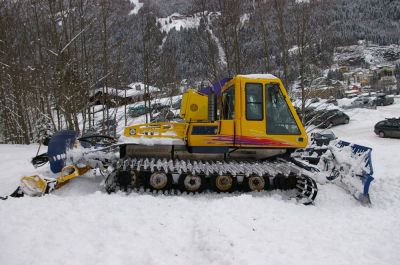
point(160, 180)
point(255, 183)
point(223, 183)
point(191, 182)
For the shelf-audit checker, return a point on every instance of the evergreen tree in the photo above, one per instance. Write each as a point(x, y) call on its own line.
point(44, 129)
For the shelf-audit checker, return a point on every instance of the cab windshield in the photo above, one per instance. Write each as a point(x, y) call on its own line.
point(279, 118)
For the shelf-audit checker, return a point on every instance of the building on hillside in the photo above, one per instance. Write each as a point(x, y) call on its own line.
point(327, 91)
point(344, 69)
point(386, 79)
point(380, 78)
point(323, 88)
point(358, 75)
point(113, 97)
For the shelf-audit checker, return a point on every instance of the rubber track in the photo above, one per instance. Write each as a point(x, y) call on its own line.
point(306, 187)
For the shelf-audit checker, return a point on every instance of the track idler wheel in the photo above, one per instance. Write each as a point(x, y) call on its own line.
point(223, 183)
point(160, 180)
point(120, 180)
point(191, 182)
point(256, 183)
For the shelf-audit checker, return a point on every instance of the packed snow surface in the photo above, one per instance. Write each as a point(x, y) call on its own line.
point(80, 224)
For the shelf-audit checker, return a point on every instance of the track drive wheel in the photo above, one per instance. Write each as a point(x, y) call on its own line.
point(307, 189)
point(223, 183)
point(160, 180)
point(191, 182)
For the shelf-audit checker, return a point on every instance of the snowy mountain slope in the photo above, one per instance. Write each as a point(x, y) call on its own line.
point(137, 7)
point(370, 54)
point(81, 225)
point(177, 21)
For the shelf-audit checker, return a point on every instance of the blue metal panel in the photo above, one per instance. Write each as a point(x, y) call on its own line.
point(58, 145)
point(367, 177)
point(216, 88)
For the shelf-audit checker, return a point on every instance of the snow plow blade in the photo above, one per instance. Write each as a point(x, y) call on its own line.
point(33, 186)
point(36, 186)
point(349, 166)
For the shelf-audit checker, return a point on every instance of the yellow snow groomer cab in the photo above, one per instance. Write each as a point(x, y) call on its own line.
point(250, 117)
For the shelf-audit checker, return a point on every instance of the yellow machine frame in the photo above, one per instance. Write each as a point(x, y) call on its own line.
point(236, 132)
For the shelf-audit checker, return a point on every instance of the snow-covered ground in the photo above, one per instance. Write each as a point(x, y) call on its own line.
point(79, 224)
point(177, 21)
point(372, 54)
point(137, 7)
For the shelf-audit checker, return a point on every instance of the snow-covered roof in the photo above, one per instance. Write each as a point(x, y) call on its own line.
point(351, 91)
point(256, 76)
point(133, 90)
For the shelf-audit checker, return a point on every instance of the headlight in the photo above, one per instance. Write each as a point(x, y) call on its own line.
point(132, 131)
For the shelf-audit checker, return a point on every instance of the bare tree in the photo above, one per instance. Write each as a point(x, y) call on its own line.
point(203, 7)
point(306, 39)
point(149, 48)
point(261, 9)
point(229, 29)
point(280, 8)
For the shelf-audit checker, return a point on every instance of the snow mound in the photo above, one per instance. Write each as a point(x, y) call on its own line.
point(137, 7)
point(177, 21)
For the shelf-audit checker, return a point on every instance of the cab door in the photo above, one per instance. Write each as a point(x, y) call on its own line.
point(226, 135)
point(253, 113)
point(267, 121)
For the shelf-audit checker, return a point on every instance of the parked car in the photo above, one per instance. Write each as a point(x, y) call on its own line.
point(162, 116)
point(137, 111)
point(323, 137)
point(364, 102)
point(360, 101)
point(308, 115)
point(332, 100)
point(329, 118)
point(157, 107)
point(384, 100)
point(388, 128)
point(314, 100)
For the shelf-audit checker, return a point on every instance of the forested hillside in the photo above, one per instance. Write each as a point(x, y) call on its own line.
point(53, 53)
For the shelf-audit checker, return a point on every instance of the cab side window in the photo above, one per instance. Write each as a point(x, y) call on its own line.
point(228, 104)
point(254, 102)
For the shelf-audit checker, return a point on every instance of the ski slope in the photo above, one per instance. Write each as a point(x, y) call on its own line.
point(79, 224)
